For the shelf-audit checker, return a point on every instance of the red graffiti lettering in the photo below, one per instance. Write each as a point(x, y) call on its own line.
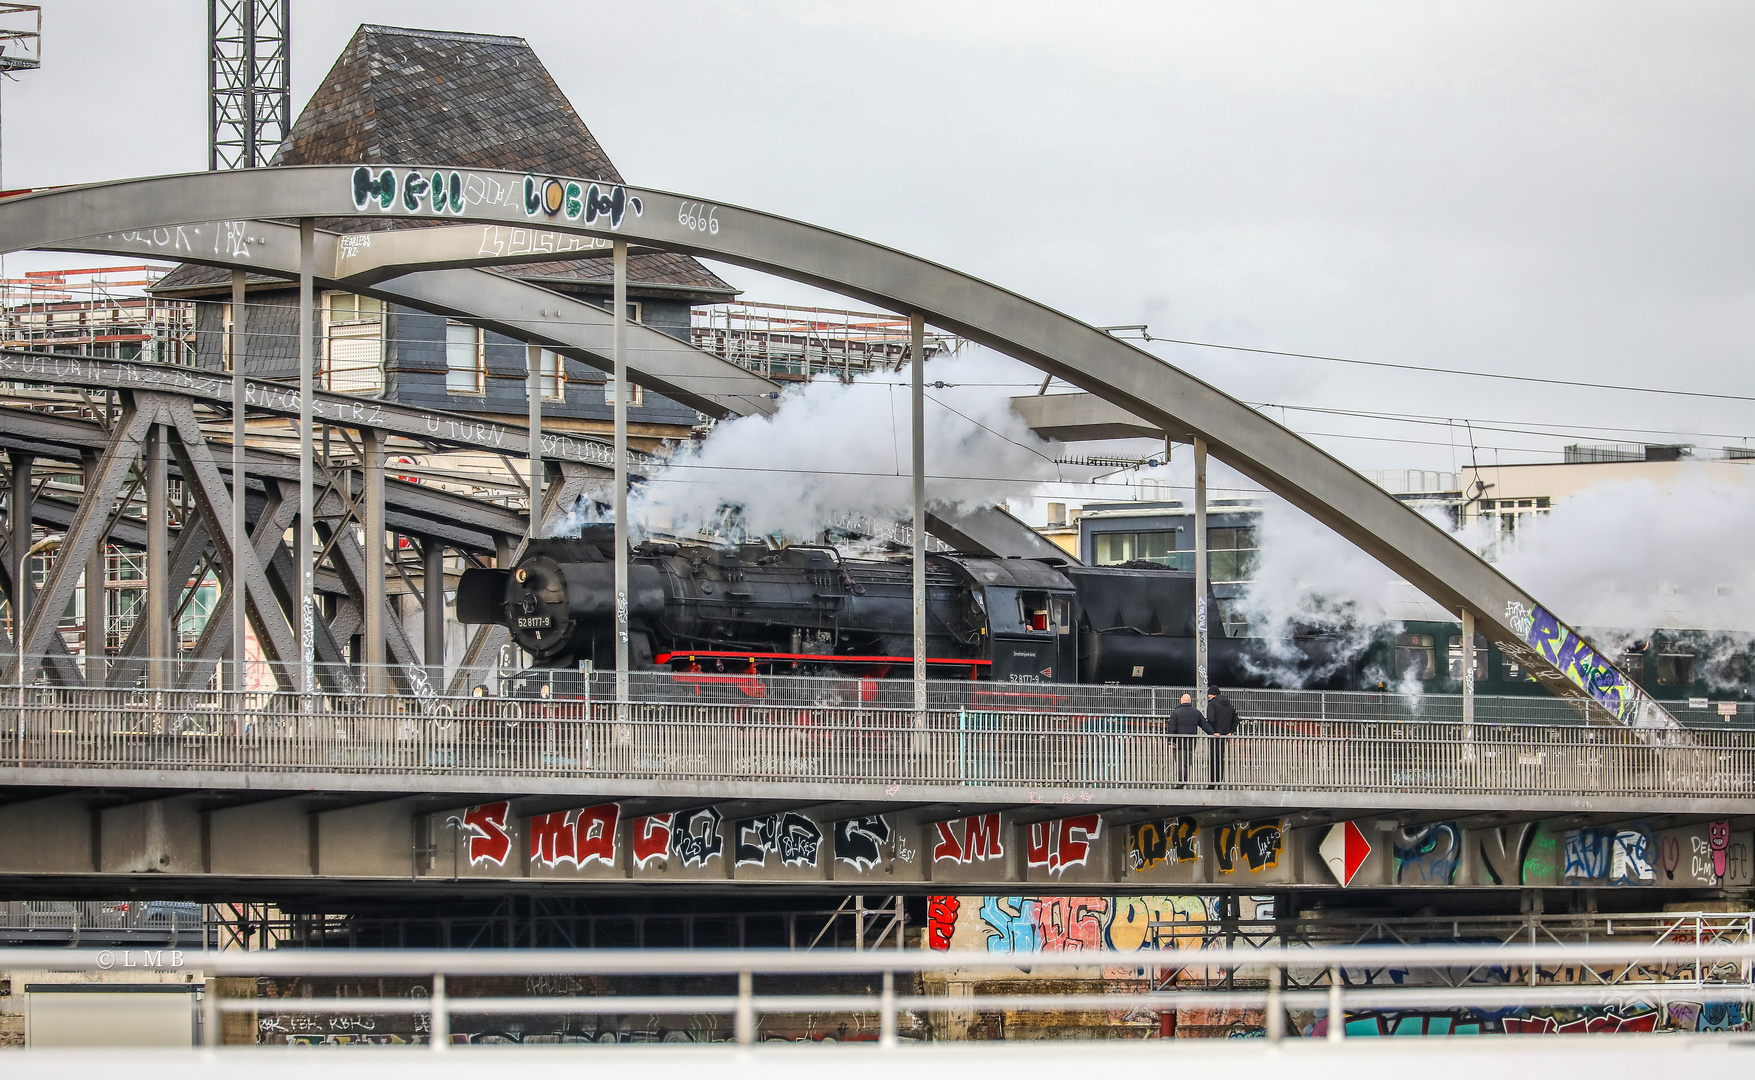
point(981, 839)
point(595, 831)
point(551, 839)
point(650, 837)
point(941, 921)
point(489, 843)
point(1060, 844)
point(948, 847)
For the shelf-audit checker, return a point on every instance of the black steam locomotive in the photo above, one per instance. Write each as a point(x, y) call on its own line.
point(809, 610)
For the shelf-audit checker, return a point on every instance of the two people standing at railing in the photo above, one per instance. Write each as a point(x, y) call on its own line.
point(1185, 725)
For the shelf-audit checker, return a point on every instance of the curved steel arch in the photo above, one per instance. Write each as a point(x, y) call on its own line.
point(1084, 356)
point(527, 312)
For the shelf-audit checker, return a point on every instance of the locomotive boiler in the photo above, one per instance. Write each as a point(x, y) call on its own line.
point(810, 610)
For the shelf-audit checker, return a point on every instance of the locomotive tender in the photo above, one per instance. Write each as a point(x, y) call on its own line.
point(810, 610)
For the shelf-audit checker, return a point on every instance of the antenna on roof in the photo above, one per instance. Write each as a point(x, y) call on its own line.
point(249, 100)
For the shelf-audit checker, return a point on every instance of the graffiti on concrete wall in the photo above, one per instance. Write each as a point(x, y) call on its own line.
point(791, 837)
point(1256, 844)
point(1632, 852)
point(579, 837)
point(1503, 850)
point(1154, 843)
point(649, 838)
point(1070, 923)
point(941, 921)
point(694, 839)
point(485, 827)
point(967, 840)
point(1058, 845)
point(860, 841)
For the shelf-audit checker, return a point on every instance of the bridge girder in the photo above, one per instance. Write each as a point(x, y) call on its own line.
point(139, 212)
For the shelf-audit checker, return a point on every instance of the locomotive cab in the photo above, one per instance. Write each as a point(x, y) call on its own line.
point(1031, 612)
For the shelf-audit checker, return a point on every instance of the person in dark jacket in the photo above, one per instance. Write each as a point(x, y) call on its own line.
point(1184, 725)
point(1223, 720)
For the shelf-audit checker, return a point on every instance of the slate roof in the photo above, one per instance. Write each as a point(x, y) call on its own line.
point(482, 101)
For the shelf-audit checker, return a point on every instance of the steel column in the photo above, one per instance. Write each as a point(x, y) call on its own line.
point(433, 588)
point(306, 601)
point(97, 593)
point(240, 525)
point(1468, 680)
point(622, 392)
point(372, 445)
point(1200, 575)
point(158, 569)
point(917, 470)
point(19, 518)
point(533, 389)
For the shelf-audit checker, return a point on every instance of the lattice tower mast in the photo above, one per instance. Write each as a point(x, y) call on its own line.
point(21, 40)
point(249, 103)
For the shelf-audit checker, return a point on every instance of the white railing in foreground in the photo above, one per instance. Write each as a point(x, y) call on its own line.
point(754, 741)
point(1731, 966)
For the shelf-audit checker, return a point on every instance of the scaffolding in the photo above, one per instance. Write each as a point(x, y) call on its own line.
point(97, 312)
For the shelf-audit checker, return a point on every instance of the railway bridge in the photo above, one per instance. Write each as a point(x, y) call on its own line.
point(376, 767)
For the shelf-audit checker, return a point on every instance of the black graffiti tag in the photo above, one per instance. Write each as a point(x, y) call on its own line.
point(859, 841)
point(695, 837)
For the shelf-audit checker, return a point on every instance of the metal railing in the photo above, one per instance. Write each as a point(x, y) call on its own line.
point(1325, 981)
point(801, 743)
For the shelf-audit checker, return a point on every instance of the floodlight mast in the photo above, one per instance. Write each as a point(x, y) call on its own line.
point(21, 44)
point(249, 100)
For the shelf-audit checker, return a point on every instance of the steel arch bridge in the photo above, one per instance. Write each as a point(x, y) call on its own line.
point(480, 218)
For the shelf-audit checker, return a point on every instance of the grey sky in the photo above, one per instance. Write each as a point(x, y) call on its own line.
point(1556, 189)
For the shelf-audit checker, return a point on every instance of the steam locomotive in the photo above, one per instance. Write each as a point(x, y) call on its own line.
point(810, 610)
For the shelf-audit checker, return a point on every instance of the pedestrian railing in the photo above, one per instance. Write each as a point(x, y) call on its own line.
point(1326, 982)
point(195, 731)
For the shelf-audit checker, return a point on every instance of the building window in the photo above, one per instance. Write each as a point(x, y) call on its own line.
point(1675, 669)
point(634, 310)
point(1231, 553)
point(353, 343)
point(465, 358)
point(1158, 546)
point(1455, 658)
point(1416, 656)
point(551, 376)
point(635, 400)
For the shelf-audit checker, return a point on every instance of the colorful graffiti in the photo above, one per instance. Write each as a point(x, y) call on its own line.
point(1582, 665)
point(1427, 854)
point(1504, 850)
point(1058, 845)
point(1154, 843)
point(1069, 923)
point(978, 839)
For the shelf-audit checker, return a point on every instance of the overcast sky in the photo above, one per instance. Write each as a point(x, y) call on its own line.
point(1551, 189)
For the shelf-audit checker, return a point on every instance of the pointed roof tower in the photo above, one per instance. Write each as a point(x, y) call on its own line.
point(402, 96)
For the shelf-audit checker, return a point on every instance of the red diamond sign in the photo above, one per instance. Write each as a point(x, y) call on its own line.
point(1344, 849)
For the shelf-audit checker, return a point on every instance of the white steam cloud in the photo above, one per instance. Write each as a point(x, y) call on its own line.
point(836, 452)
point(1617, 561)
